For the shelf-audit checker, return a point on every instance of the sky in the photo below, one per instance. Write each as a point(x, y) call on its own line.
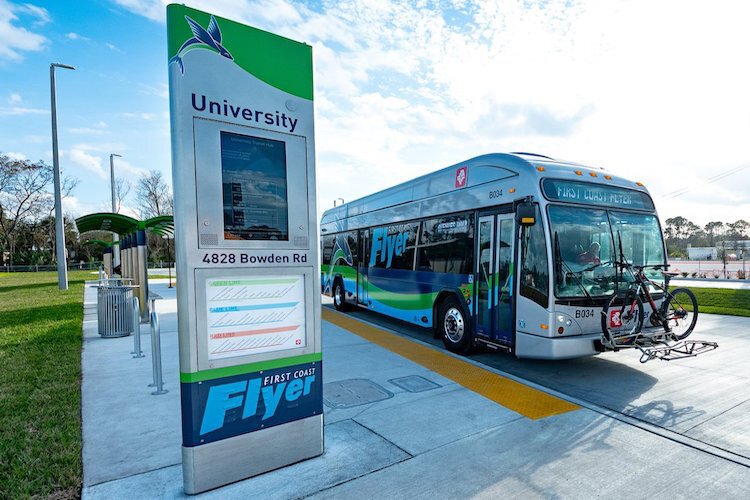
point(653, 91)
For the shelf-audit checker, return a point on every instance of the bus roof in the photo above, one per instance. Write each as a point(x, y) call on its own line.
point(478, 170)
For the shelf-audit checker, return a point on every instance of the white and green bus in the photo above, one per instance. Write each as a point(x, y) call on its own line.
point(515, 252)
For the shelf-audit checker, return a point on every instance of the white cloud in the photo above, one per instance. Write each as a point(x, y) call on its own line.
point(21, 110)
point(112, 47)
point(16, 156)
point(651, 91)
point(40, 13)
point(101, 147)
point(15, 98)
point(76, 36)
point(15, 39)
point(123, 168)
point(99, 128)
point(89, 162)
point(72, 206)
point(37, 139)
point(152, 9)
point(159, 90)
point(143, 116)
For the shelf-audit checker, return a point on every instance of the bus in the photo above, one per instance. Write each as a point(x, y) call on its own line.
point(515, 252)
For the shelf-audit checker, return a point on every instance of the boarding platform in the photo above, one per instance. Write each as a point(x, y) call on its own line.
point(406, 419)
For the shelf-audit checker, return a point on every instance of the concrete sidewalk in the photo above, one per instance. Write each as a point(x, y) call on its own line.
point(426, 436)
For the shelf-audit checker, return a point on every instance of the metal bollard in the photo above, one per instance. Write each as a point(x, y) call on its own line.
point(156, 352)
point(137, 352)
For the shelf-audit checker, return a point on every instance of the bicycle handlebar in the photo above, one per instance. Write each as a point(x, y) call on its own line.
point(627, 265)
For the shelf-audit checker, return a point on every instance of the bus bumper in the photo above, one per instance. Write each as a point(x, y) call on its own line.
point(536, 347)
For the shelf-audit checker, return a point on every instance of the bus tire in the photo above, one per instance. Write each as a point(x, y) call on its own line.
point(454, 326)
point(339, 295)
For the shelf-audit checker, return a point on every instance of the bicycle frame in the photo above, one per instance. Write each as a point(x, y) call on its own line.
point(642, 290)
point(639, 289)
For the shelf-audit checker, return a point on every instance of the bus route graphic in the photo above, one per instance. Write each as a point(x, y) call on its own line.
point(254, 315)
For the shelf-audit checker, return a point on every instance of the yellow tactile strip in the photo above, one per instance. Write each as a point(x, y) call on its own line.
point(513, 395)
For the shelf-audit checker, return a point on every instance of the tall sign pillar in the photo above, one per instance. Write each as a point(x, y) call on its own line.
point(125, 272)
point(140, 252)
point(107, 260)
point(241, 103)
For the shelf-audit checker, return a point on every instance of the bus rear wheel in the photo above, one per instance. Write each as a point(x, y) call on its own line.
point(454, 327)
point(339, 296)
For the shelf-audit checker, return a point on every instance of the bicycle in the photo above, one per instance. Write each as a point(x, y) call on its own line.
point(623, 315)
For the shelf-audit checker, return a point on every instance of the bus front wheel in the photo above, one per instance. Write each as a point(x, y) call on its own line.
point(339, 296)
point(454, 326)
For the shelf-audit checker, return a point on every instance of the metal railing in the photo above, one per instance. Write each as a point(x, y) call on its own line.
point(158, 381)
point(137, 352)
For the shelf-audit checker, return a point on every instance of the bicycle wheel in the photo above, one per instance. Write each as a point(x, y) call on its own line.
point(680, 312)
point(622, 317)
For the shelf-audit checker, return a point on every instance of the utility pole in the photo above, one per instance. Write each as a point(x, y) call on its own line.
point(62, 261)
point(115, 236)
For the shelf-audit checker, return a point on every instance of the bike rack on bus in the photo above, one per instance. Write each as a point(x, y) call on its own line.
point(679, 350)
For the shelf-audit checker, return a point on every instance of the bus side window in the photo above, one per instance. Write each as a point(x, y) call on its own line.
point(534, 263)
point(351, 240)
point(447, 244)
point(327, 243)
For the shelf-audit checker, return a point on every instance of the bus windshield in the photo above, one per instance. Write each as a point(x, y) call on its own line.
point(586, 243)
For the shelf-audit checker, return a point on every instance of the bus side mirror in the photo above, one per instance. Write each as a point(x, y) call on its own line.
point(526, 214)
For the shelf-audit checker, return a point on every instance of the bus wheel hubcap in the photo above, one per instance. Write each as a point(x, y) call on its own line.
point(337, 295)
point(454, 325)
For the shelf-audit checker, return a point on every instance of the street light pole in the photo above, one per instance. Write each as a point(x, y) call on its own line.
point(115, 236)
point(62, 267)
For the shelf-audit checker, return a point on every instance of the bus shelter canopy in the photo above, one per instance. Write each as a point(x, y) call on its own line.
point(163, 225)
point(102, 243)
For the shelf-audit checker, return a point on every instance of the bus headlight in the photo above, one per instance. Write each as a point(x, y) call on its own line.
point(562, 319)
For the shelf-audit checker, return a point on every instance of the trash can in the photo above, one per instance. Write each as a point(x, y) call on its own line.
point(115, 310)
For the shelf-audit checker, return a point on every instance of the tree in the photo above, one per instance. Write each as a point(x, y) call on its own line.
point(153, 195)
point(23, 197)
point(738, 230)
point(25, 203)
point(122, 189)
point(678, 230)
point(714, 229)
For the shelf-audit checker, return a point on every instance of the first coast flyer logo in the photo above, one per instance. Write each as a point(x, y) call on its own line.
point(202, 38)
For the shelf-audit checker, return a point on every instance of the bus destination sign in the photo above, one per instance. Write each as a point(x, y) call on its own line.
point(595, 194)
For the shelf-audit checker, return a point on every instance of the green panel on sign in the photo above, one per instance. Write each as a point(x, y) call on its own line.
point(248, 368)
point(278, 61)
point(280, 281)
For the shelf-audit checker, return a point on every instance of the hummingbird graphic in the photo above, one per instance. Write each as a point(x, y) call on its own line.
point(210, 38)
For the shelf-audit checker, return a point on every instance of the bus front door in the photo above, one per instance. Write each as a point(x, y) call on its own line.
point(364, 255)
point(494, 315)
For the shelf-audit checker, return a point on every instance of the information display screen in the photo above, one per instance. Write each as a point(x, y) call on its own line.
point(595, 194)
point(253, 315)
point(254, 186)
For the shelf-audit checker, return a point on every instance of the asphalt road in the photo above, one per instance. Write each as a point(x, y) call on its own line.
point(705, 400)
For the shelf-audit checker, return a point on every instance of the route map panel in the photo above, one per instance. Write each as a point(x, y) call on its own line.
point(254, 315)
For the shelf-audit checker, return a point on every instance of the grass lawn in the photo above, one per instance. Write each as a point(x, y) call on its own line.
point(162, 277)
point(40, 385)
point(722, 301)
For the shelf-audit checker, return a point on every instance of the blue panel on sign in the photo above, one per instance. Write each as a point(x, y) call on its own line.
point(221, 408)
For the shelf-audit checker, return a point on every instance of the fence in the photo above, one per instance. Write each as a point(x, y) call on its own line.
point(32, 268)
point(83, 266)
